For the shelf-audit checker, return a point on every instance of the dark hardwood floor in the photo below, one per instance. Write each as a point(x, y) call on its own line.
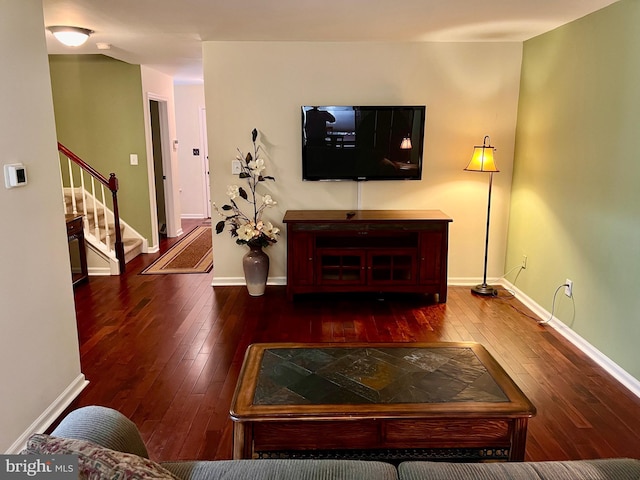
point(166, 351)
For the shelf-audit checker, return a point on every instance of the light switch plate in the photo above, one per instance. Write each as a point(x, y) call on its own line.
point(133, 159)
point(236, 168)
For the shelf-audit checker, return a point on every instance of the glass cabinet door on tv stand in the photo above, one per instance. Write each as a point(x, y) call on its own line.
point(340, 267)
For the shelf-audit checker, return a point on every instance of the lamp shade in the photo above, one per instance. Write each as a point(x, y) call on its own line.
point(406, 143)
point(482, 159)
point(70, 36)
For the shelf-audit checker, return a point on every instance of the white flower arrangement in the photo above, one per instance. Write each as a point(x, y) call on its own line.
point(249, 229)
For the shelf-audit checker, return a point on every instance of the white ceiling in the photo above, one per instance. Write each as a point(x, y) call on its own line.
point(167, 34)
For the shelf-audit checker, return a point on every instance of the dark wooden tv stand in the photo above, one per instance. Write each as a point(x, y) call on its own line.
point(367, 251)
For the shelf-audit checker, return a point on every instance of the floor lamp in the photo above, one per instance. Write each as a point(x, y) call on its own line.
point(482, 161)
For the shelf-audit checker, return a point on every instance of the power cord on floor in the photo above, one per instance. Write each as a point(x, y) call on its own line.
point(553, 305)
point(512, 294)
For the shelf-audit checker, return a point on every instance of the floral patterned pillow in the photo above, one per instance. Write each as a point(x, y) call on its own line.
point(96, 462)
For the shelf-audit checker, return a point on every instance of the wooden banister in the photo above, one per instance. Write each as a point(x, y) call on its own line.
point(112, 184)
point(86, 167)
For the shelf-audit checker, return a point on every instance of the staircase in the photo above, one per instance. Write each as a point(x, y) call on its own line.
point(101, 256)
point(110, 242)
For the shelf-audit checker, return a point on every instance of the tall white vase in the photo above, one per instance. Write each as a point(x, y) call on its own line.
point(256, 270)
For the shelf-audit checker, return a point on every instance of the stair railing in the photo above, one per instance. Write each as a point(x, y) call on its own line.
point(112, 184)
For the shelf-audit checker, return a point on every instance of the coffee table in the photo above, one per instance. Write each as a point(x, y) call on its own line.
point(382, 401)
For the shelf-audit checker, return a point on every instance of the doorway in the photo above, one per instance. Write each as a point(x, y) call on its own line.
point(164, 203)
point(158, 168)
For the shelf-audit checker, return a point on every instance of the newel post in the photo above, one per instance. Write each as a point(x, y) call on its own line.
point(119, 246)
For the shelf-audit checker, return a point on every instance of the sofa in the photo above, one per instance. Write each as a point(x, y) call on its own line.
point(109, 446)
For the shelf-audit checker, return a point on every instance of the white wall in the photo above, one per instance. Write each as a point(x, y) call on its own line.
point(158, 86)
point(470, 90)
point(189, 110)
point(39, 355)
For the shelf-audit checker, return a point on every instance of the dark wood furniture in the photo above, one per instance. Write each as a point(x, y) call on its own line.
point(367, 251)
point(77, 248)
point(387, 401)
point(583, 412)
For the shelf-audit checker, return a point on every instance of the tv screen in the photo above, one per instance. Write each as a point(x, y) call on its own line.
point(362, 143)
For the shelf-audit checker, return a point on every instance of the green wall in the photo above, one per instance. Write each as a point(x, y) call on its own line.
point(98, 107)
point(575, 208)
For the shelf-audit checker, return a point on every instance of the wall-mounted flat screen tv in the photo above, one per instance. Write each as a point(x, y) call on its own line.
point(362, 143)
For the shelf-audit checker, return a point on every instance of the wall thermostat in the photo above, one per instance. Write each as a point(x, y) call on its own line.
point(15, 175)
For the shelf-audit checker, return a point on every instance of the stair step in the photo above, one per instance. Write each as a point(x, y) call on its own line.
point(132, 248)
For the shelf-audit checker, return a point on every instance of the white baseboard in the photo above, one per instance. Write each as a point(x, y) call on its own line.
point(465, 281)
point(615, 370)
point(235, 281)
point(99, 271)
point(50, 415)
point(193, 216)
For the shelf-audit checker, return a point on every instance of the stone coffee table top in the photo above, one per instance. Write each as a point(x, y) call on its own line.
point(332, 375)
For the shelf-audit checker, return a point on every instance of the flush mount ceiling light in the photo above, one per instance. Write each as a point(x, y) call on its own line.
point(70, 36)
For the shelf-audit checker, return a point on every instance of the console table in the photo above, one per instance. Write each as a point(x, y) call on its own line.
point(75, 236)
point(367, 251)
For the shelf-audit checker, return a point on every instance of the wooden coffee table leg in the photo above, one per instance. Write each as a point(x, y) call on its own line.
point(518, 440)
point(241, 441)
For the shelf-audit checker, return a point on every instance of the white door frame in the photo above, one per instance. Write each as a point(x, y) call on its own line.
point(165, 141)
point(205, 162)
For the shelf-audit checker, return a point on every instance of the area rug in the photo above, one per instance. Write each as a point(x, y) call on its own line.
point(192, 254)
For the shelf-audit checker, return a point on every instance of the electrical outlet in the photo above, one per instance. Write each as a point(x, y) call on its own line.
point(568, 288)
point(236, 167)
point(524, 262)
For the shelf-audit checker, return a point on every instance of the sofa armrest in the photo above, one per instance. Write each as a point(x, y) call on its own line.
point(103, 426)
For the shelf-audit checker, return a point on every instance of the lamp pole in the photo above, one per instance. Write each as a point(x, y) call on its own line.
point(485, 289)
